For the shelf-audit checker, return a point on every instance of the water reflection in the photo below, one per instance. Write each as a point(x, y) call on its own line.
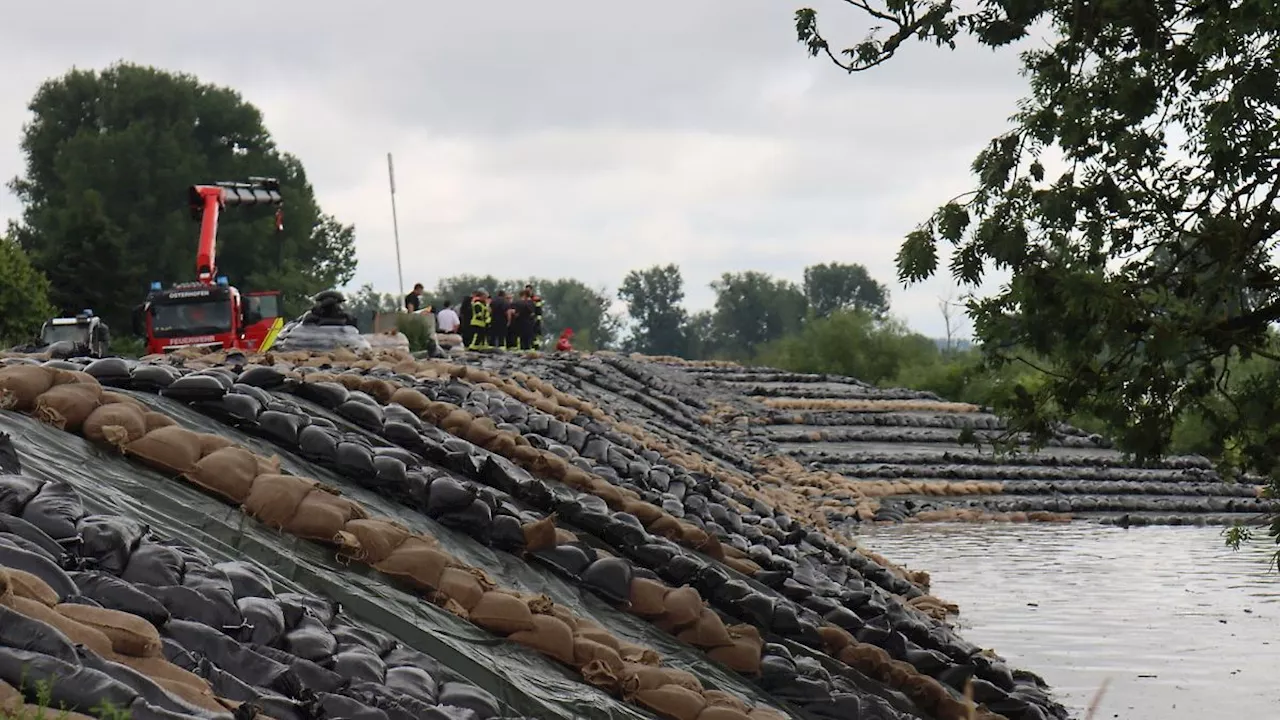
point(1182, 626)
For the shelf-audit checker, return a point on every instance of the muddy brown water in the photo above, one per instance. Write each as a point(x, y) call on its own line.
point(1181, 626)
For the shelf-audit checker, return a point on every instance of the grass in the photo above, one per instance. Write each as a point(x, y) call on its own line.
point(43, 711)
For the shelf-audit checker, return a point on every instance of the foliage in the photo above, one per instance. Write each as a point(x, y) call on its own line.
point(109, 156)
point(852, 343)
point(653, 298)
point(753, 308)
point(1146, 269)
point(838, 286)
point(42, 708)
point(24, 295)
point(418, 329)
point(701, 342)
point(365, 304)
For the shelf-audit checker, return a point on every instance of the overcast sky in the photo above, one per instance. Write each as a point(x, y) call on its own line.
point(568, 137)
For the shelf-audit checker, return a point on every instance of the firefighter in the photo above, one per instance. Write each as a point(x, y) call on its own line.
point(520, 336)
point(536, 301)
point(499, 319)
point(481, 319)
point(464, 320)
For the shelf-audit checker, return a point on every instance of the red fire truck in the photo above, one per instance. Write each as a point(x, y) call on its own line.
point(210, 312)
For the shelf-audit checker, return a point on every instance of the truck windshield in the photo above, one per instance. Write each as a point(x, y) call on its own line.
point(68, 333)
point(181, 319)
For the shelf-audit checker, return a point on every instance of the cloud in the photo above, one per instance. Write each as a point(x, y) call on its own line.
point(569, 138)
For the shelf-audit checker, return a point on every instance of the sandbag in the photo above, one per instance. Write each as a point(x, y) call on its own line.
point(156, 420)
point(722, 712)
point(10, 699)
point(116, 594)
point(411, 400)
point(416, 682)
point(148, 689)
point(416, 559)
point(116, 424)
point(274, 499)
point(672, 701)
point(66, 407)
point(708, 632)
point(129, 634)
point(323, 514)
point(20, 385)
point(469, 697)
point(193, 388)
point(155, 564)
point(648, 597)
point(357, 663)
point(238, 660)
point(211, 443)
point(587, 651)
point(461, 586)
point(265, 617)
point(228, 473)
point(550, 636)
point(19, 630)
point(173, 449)
point(55, 510)
point(372, 540)
point(72, 687)
point(107, 541)
point(29, 586)
point(33, 535)
point(78, 633)
point(210, 606)
point(38, 565)
point(502, 613)
point(683, 606)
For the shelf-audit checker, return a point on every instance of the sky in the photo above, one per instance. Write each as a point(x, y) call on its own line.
point(567, 137)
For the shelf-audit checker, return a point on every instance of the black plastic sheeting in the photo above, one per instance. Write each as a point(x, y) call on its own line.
point(520, 679)
point(513, 572)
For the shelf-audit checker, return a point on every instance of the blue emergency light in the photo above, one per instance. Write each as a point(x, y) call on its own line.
point(222, 280)
point(155, 285)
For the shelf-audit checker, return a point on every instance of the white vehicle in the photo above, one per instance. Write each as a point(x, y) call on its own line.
point(84, 334)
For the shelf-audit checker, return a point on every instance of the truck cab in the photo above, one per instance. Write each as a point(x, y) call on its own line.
point(85, 333)
point(215, 316)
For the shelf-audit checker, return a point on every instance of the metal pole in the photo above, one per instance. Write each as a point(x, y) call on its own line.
point(395, 224)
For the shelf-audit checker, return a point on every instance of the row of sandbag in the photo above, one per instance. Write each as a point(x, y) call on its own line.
point(678, 611)
point(1180, 504)
point(763, 610)
point(290, 655)
point(1066, 461)
point(906, 434)
point(304, 508)
point(955, 421)
point(955, 470)
point(741, 654)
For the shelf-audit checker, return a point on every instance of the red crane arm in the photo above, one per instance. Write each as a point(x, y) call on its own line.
point(207, 202)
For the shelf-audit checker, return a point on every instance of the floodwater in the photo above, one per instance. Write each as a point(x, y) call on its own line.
point(1177, 624)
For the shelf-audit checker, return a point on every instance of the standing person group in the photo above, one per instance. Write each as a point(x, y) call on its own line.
point(502, 321)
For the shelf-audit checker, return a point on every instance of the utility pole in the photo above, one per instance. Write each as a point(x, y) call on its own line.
point(395, 223)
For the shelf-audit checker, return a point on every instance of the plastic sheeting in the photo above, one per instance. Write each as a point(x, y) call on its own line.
point(519, 678)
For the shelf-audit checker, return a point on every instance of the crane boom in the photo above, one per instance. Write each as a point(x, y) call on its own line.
point(207, 202)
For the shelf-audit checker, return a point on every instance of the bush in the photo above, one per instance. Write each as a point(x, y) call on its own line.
point(418, 328)
point(24, 295)
point(852, 343)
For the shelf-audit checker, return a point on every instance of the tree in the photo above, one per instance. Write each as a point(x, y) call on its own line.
point(753, 308)
point(365, 304)
point(24, 295)
point(700, 336)
point(852, 343)
point(109, 156)
point(569, 303)
point(653, 298)
point(458, 288)
point(838, 286)
point(1144, 272)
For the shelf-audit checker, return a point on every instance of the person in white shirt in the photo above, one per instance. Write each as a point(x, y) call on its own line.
point(447, 319)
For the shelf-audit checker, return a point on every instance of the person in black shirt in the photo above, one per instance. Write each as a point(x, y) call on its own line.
point(520, 335)
point(499, 319)
point(413, 301)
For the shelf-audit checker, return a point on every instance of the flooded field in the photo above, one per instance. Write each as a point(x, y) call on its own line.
point(1182, 626)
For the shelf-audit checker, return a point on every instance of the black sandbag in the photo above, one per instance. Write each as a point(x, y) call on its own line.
point(39, 565)
point(110, 372)
point(310, 674)
point(357, 663)
point(69, 685)
point(317, 443)
point(396, 705)
point(147, 688)
point(55, 510)
point(247, 579)
point(264, 617)
point(116, 594)
point(404, 435)
point(81, 600)
point(475, 520)
point(566, 560)
point(610, 578)
point(22, 543)
point(194, 388)
point(109, 540)
point(416, 682)
point(507, 533)
point(501, 473)
point(21, 632)
point(355, 460)
point(449, 495)
point(468, 696)
point(225, 377)
point(205, 578)
point(328, 395)
point(239, 408)
point(15, 525)
point(352, 635)
point(261, 376)
point(281, 428)
point(400, 413)
point(391, 474)
point(222, 683)
point(324, 609)
point(151, 378)
point(310, 640)
point(235, 658)
point(411, 461)
point(154, 564)
point(364, 415)
point(340, 707)
point(216, 610)
point(263, 397)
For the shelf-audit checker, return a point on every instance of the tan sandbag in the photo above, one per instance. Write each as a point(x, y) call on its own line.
point(411, 400)
point(566, 616)
point(461, 586)
point(683, 606)
point(6, 587)
point(540, 534)
point(647, 597)
point(605, 490)
point(586, 651)
point(418, 560)
point(110, 397)
point(201, 699)
point(481, 431)
point(437, 411)
point(350, 381)
point(156, 420)
point(503, 444)
point(210, 443)
point(742, 565)
point(672, 701)
point(564, 537)
point(20, 385)
point(550, 636)
point(667, 527)
point(129, 634)
point(766, 713)
point(157, 668)
point(373, 540)
point(834, 639)
point(76, 632)
point(683, 678)
point(526, 455)
point(228, 473)
point(274, 499)
point(721, 712)
point(636, 677)
point(174, 449)
point(599, 635)
point(574, 476)
point(115, 424)
point(693, 536)
point(502, 613)
point(645, 512)
point(708, 632)
point(556, 465)
point(380, 390)
point(720, 698)
point(323, 514)
point(639, 654)
point(742, 656)
point(29, 586)
point(456, 420)
point(66, 407)
point(10, 698)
